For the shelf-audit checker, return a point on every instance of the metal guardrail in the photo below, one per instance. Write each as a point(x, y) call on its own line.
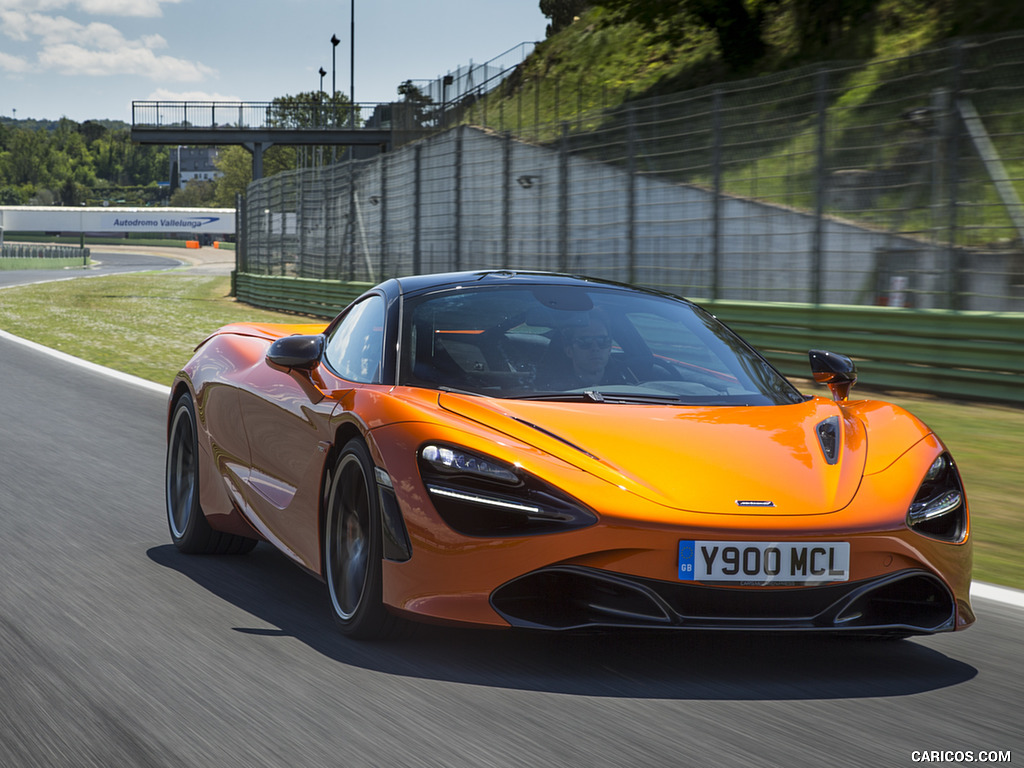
point(66, 253)
point(969, 355)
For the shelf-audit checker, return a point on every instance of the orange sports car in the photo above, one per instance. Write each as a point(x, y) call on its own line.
point(512, 449)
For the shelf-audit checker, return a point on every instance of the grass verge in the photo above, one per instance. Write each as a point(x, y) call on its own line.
point(143, 324)
point(147, 325)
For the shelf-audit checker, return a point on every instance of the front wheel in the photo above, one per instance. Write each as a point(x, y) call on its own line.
point(353, 549)
point(190, 531)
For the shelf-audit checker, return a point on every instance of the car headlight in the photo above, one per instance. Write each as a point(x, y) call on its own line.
point(939, 510)
point(481, 496)
point(453, 461)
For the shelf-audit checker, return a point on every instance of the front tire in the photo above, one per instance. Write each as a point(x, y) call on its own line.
point(353, 548)
point(190, 531)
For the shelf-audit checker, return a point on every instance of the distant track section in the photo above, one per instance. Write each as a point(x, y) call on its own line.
point(23, 218)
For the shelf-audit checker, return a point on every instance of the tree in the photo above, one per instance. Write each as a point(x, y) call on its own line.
point(235, 163)
point(562, 13)
point(26, 160)
point(195, 194)
point(822, 24)
point(92, 131)
point(47, 162)
point(70, 192)
point(738, 29)
point(418, 102)
point(309, 110)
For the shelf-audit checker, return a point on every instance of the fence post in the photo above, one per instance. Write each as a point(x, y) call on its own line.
point(240, 260)
point(506, 199)
point(417, 208)
point(536, 110)
point(953, 175)
point(579, 104)
point(519, 107)
point(558, 88)
point(716, 201)
point(327, 213)
point(459, 134)
point(384, 158)
point(818, 245)
point(300, 224)
point(631, 193)
point(563, 200)
point(351, 217)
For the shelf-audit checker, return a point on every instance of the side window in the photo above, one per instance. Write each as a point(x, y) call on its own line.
point(356, 347)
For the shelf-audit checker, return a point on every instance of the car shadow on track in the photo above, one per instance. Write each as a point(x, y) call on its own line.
point(621, 664)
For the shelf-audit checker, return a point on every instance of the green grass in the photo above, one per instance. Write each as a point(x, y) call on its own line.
point(987, 442)
point(147, 325)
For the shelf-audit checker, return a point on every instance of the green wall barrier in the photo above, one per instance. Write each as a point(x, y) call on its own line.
point(323, 298)
point(973, 355)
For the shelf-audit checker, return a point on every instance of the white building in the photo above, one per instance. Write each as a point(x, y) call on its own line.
point(193, 163)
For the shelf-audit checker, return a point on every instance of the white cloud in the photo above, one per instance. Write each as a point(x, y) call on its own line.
point(14, 64)
point(14, 24)
point(97, 48)
point(124, 7)
point(72, 59)
point(163, 94)
point(138, 8)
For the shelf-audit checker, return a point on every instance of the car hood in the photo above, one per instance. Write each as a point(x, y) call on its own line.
point(722, 460)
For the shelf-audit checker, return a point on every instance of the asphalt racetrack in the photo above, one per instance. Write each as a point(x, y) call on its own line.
point(119, 261)
point(117, 651)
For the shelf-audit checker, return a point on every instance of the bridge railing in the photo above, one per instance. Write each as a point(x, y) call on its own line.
point(295, 115)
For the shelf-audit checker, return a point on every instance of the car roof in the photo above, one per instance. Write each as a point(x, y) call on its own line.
point(415, 284)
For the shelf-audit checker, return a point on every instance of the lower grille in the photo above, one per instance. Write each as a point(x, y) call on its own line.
point(574, 597)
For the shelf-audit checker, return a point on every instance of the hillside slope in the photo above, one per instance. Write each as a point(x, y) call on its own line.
point(604, 58)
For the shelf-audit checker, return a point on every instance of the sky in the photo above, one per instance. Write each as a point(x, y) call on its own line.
point(89, 59)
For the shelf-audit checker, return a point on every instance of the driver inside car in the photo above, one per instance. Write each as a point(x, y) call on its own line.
point(586, 357)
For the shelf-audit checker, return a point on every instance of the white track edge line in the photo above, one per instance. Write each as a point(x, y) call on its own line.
point(998, 594)
point(994, 592)
point(127, 378)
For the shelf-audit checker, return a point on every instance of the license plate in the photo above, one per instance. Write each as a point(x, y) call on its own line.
point(761, 562)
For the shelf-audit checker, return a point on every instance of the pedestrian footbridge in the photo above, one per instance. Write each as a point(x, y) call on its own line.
point(257, 126)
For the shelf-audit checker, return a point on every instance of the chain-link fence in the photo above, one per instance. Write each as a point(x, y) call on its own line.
point(893, 183)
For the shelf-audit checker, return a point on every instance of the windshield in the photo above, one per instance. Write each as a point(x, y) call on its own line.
point(575, 342)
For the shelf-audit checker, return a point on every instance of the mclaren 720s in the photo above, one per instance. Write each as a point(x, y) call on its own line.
point(530, 450)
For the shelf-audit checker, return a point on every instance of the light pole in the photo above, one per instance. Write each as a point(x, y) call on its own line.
point(352, 64)
point(320, 100)
point(334, 72)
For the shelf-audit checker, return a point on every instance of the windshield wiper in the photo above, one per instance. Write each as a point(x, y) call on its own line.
point(586, 396)
point(457, 391)
point(597, 396)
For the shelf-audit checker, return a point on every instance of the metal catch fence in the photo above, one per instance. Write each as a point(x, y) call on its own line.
point(892, 183)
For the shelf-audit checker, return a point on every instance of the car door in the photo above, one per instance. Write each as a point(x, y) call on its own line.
point(287, 418)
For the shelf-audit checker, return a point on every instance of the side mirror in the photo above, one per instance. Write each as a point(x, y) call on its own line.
point(838, 372)
point(301, 352)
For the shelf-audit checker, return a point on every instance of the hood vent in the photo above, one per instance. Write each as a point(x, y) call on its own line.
point(828, 436)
